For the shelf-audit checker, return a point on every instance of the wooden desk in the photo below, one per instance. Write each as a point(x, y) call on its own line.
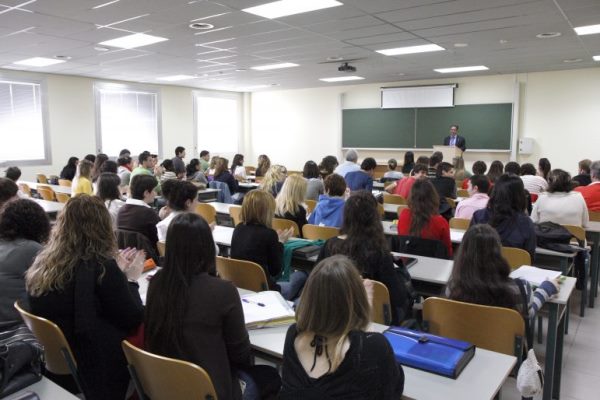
point(481, 379)
point(56, 188)
point(221, 208)
point(50, 207)
point(46, 389)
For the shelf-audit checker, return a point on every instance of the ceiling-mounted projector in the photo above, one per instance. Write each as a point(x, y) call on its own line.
point(345, 67)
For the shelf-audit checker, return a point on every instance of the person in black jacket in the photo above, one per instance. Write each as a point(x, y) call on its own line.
point(445, 185)
point(222, 174)
point(69, 170)
point(328, 353)
point(83, 284)
point(454, 139)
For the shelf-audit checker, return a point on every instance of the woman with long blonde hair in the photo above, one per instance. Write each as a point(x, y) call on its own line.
point(290, 202)
point(273, 180)
point(328, 353)
point(82, 283)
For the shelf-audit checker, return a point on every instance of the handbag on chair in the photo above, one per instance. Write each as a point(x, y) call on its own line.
point(21, 358)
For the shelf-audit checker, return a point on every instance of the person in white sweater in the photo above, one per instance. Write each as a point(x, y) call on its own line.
point(560, 204)
point(532, 182)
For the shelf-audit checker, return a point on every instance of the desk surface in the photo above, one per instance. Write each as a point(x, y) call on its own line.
point(56, 188)
point(50, 206)
point(46, 390)
point(593, 226)
point(221, 208)
point(481, 378)
point(428, 269)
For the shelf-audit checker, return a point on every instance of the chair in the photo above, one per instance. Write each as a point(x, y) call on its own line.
point(161, 245)
point(380, 210)
point(234, 213)
point(578, 232)
point(451, 202)
point(460, 223)
point(381, 309)
point(161, 378)
point(418, 246)
point(53, 179)
point(311, 204)
point(58, 356)
point(65, 182)
point(492, 328)
point(243, 274)
point(316, 232)
point(25, 189)
point(62, 197)
point(516, 257)
point(282, 224)
point(250, 170)
point(47, 194)
point(41, 178)
point(207, 212)
point(462, 193)
point(594, 216)
point(393, 199)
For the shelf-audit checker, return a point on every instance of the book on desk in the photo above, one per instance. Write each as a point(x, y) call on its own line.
point(268, 308)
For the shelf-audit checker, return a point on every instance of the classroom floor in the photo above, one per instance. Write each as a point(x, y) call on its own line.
point(581, 356)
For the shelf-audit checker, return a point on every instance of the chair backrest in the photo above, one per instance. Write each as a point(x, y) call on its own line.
point(47, 194)
point(393, 199)
point(419, 246)
point(138, 240)
point(243, 274)
point(234, 213)
point(578, 232)
point(380, 210)
point(460, 223)
point(62, 197)
point(451, 202)
point(41, 178)
point(316, 232)
point(310, 206)
point(25, 189)
point(65, 182)
point(162, 378)
point(161, 245)
point(250, 170)
point(381, 309)
point(463, 193)
point(491, 328)
point(207, 212)
point(516, 257)
point(282, 224)
point(594, 216)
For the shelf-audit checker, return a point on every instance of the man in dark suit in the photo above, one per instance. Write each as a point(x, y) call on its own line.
point(454, 140)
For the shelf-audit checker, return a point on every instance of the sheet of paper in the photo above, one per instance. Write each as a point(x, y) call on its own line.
point(265, 306)
point(534, 275)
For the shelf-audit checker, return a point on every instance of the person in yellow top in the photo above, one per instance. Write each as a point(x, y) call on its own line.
point(83, 183)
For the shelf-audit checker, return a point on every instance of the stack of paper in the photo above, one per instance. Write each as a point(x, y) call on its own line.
point(266, 309)
point(534, 275)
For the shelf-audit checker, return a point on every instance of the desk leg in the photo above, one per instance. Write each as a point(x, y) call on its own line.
point(560, 337)
point(551, 339)
point(564, 266)
point(595, 266)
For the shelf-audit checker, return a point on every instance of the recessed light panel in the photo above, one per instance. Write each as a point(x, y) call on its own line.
point(410, 50)
point(175, 78)
point(597, 58)
point(283, 8)
point(133, 41)
point(39, 62)
point(587, 30)
point(342, 78)
point(274, 66)
point(255, 87)
point(461, 69)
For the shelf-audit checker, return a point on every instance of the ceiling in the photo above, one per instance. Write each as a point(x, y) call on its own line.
point(500, 34)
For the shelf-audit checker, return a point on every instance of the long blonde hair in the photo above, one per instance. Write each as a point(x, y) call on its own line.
point(334, 302)
point(83, 232)
point(275, 174)
point(291, 196)
point(258, 207)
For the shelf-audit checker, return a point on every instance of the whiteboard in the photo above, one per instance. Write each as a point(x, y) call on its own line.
point(418, 96)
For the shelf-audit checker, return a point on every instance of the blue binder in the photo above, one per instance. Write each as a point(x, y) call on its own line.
point(436, 354)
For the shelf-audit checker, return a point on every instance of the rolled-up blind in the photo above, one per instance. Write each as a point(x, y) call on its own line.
point(418, 96)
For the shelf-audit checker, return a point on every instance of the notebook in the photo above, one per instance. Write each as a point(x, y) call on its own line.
point(267, 308)
point(534, 275)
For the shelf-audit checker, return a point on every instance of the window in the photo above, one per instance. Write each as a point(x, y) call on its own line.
point(127, 117)
point(22, 127)
point(218, 122)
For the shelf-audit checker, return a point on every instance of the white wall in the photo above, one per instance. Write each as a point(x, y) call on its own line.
point(560, 110)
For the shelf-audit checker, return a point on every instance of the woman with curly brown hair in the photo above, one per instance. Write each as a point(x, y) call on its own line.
point(82, 283)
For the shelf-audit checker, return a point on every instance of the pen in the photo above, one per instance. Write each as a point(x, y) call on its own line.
point(253, 302)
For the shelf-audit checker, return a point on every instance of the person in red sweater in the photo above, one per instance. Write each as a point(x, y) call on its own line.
point(402, 187)
point(591, 192)
point(421, 218)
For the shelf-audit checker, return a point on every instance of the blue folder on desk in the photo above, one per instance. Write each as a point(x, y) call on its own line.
point(436, 354)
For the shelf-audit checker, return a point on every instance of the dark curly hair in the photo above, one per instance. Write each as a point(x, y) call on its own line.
point(24, 219)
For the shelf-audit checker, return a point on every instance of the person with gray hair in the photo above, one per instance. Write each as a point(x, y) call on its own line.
point(591, 192)
point(349, 165)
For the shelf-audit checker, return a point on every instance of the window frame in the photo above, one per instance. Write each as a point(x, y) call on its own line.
point(238, 97)
point(130, 87)
point(47, 160)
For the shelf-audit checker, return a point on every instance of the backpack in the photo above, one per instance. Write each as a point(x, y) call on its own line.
point(553, 236)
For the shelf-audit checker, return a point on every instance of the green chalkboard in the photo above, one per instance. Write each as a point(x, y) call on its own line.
point(485, 126)
point(377, 128)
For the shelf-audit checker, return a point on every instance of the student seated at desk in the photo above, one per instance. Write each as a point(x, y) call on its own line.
point(496, 170)
point(391, 173)
point(82, 283)
point(533, 183)
point(591, 192)
point(273, 180)
point(314, 183)
point(478, 168)
point(8, 191)
point(254, 240)
point(421, 218)
point(445, 185)
point(478, 197)
point(204, 322)
point(328, 165)
point(403, 186)
point(222, 174)
point(363, 178)
point(83, 180)
point(68, 172)
point(481, 276)
point(262, 166)
point(183, 196)
point(110, 193)
point(505, 212)
point(330, 208)
point(290, 202)
point(362, 239)
point(328, 353)
point(237, 168)
point(409, 162)
point(584, 177)
point(137, 215)
point(193, 172)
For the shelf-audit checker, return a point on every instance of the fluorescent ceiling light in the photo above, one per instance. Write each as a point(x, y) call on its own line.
point(597, 58)
point(587, 30)
point(175, 78)
point(342, 78)
point(461, 69)
point(274, 66)
point(105, 4)
point(410, 50)
point(255, 87)
point(39, 62)
point(284, 8)
point(133, 41)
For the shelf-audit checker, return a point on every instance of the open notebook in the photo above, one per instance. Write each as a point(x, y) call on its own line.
point(534, 275)
point(267, 308)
